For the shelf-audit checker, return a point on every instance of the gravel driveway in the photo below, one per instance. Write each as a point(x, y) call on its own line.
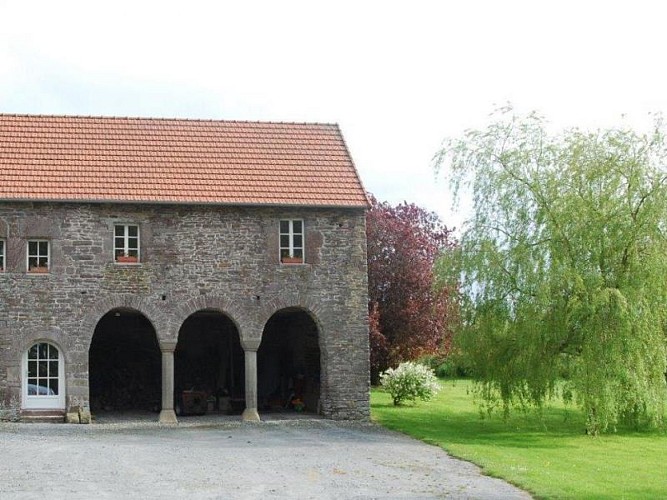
point(281, 459)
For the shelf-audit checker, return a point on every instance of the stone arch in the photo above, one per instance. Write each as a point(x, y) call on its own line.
point(157, 318)
point(290, 301)
point(51, 335)
point(229, 307)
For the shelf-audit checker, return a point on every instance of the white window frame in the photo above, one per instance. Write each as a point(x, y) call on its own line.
point(291, 253)
point(35, 395)
point(3, 256)
point(39, 256)
point(125, 251)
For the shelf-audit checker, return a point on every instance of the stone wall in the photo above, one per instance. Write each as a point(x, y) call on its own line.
point(192, 258)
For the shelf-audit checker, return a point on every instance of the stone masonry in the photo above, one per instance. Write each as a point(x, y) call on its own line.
point(192, 258)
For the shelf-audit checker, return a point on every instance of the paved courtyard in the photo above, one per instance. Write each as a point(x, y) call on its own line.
point(229, 459)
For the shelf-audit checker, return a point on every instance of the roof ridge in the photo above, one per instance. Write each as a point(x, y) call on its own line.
point(165, 119)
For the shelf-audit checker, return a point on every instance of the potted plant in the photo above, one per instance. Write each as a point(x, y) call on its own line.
point(127, 259)
point(298, 405)
point(291, 259)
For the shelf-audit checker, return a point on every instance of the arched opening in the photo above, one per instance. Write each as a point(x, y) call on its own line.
point(288, 363)
point(124, 364)
point(208, 365)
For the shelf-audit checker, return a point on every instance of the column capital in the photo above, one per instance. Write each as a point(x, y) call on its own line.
point(250, 344)
point(168, 345)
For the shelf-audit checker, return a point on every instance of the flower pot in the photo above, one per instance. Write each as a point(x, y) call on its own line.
point(39, 269)
point(128, 259)
point(291, 260)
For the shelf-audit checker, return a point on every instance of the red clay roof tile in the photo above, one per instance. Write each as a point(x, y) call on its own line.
point(100, 159)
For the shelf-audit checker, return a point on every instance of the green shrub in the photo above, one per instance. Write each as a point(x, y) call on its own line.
point(408, 382)
point(448, 366)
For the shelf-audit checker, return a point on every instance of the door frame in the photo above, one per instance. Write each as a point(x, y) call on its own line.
point(44, 401)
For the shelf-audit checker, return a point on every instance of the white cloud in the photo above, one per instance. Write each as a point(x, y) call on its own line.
point(397, 76)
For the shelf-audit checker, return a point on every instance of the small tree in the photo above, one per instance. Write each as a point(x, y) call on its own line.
point(409, 315)
point(409, 381)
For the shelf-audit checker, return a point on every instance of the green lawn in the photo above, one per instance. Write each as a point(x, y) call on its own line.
point(551, 457)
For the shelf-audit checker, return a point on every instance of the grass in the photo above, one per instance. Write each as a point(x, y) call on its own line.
point(551, 456)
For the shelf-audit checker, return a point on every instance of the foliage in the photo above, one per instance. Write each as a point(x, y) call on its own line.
point(444, 366)
point(378, 343)
point(408, 382)
point(564, 262)
point(547, 454)
point(409, 316)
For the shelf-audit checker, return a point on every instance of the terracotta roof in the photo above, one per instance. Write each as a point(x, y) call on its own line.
point(146, 160)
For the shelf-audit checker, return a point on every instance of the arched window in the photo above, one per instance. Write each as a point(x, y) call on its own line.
point(44, 377)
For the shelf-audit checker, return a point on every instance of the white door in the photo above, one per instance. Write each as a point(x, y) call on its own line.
point(44, 378)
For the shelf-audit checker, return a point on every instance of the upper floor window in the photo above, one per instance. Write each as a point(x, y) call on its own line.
point(38, 256)
point(126, 243)
point(291, 241)
point(2, 255)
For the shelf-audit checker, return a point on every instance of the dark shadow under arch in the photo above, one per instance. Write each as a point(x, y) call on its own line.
point(288, 363)
point(209, 365)
point(124, 363)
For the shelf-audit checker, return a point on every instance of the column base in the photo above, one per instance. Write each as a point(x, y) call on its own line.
point(250, 415)
point(168, 417)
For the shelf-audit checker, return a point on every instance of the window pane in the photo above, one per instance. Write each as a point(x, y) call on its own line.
point(32, 248)
point(284, 240)
point(133, 243)
point(32, 368)
point(53, 386)
point(53, 352)
point(298, 253)
point(43, 247)
point(119, 242)
point(298, 241)
point(42, 367)
point(297, 226)
point(43, 262)
point(53, 368)
point(133, 231)
point(43, 351)
point(32, 262)
point(32, 353)
point(32, 386)
point(119, 231)
point(284, 226)
point(133, 253)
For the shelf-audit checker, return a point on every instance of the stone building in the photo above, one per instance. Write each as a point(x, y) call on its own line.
point(147, 264)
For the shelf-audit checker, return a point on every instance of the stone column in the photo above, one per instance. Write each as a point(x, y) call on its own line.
point(167, 415)
point(250, 413)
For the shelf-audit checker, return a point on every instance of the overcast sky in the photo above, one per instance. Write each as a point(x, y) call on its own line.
point(397, 77)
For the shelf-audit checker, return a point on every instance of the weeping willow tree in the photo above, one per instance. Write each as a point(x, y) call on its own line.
point(563, 267)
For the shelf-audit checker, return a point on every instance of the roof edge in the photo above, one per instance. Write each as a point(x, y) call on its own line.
point(166, 119)
point(354, 166)
point(177, 203)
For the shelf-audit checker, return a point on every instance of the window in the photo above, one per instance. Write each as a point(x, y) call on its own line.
point(291, 241)
point(2, 255)
point(38, 256)
point(126, 243)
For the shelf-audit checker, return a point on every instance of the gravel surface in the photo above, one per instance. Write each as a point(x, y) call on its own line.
point(199, 459)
